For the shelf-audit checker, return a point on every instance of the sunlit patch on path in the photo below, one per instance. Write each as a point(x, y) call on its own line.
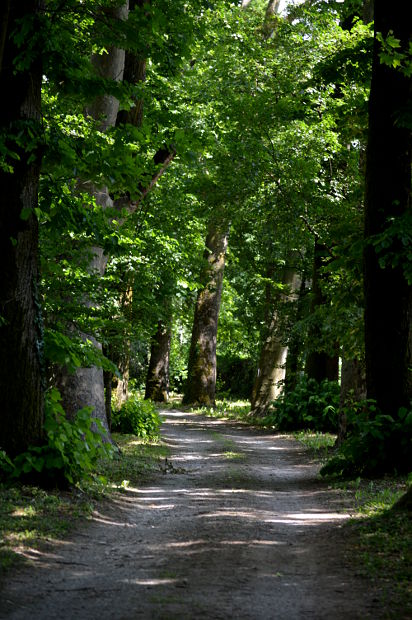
point(239, 526)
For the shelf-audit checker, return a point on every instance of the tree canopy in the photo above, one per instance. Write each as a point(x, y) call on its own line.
point(113, 174)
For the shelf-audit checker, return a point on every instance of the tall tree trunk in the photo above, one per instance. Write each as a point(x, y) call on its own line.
point(293, 360)
point(320, 364)
point(85, 387)
point(271, 13)
point(21, 388)
point(201, 380)
point(352, 389)
point(157, 382)
point(388, 296)
point(271, 368)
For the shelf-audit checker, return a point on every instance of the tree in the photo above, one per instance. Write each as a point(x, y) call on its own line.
point(272, 362)
point(85, 386)
point(201, 380)
point(157, 381)
point(388, 292)
point(21, 420)
point(320, 364)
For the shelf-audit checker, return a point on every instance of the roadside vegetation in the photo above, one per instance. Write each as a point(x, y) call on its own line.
point(32, 516)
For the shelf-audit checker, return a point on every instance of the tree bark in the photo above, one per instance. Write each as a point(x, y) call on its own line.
point(388, 296)
point(157, 382)
point(21, 387)
point(320, 365)
point(272, 361)
point(352, 389)
point(295, 349)
point(201, 380)
point(85, 387)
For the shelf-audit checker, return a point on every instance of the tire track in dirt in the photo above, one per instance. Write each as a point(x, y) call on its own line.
point(238, 526)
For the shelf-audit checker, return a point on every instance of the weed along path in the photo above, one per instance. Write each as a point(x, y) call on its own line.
point(236, 526)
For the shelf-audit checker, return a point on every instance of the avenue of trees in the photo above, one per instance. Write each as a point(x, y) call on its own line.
point(207, 195)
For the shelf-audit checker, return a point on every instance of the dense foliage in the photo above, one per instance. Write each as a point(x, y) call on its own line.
point(70, 454)
point(138, 417)
point(260, 122)
point(311, 405)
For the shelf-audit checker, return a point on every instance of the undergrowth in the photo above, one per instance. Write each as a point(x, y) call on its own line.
point(383, 541)
point(319, 444)
point(231, 410)
point(137, 416)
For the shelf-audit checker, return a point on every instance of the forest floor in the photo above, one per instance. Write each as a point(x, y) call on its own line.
point(237, 525)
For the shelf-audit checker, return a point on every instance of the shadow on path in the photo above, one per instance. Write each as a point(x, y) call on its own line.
point(238, 526)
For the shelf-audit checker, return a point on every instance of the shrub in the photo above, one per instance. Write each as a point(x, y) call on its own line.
point(70, 453)
point(376, 443)
point(139, 417)
point(311, 405)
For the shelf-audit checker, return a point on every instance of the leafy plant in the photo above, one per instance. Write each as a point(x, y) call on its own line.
point(139, 417)
point(71, 452)
point(377, 443)
point(311, 405)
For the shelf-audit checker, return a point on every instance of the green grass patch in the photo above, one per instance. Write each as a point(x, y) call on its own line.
point(226, 409)
point(31, 516)
point(384, 541)
point(137, 460)
point(320, 444)
point(234, 456)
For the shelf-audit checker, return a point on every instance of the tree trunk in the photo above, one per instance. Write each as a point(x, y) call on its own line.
point(157, 382)
point(21, 419)
point(352, 389)
point(107, 380)
point(388, 296)
point(271, 368)
point(85, 387)
point(201, 380)
point(320, 365)
point(269, 23)
point(295, 349)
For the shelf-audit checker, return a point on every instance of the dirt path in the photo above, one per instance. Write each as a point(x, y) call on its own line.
point(240, 528)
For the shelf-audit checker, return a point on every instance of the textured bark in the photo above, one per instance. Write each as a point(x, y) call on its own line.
point(272, 362)
point(319, 364)
point(269, 24)
point(352, 389)
point(85, 387)
point(157, 382)
point(388, 297)
point(21, 389)
point(295, 349)
point(107, 380)
point(201, 380)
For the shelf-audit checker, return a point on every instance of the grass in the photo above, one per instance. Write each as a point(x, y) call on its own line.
point(383, 541)
point(229, 410)
point(31, 517)
point(319, 444)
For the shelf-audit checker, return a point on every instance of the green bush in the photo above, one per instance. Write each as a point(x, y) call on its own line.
point(139, 417)
point(70, 454)
point(311, 405)
point(376, 443)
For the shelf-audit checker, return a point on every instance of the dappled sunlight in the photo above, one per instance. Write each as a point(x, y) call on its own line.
point(150, 582)
point(229, 524)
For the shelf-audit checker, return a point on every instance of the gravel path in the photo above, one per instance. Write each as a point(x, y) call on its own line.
point(238, 526)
